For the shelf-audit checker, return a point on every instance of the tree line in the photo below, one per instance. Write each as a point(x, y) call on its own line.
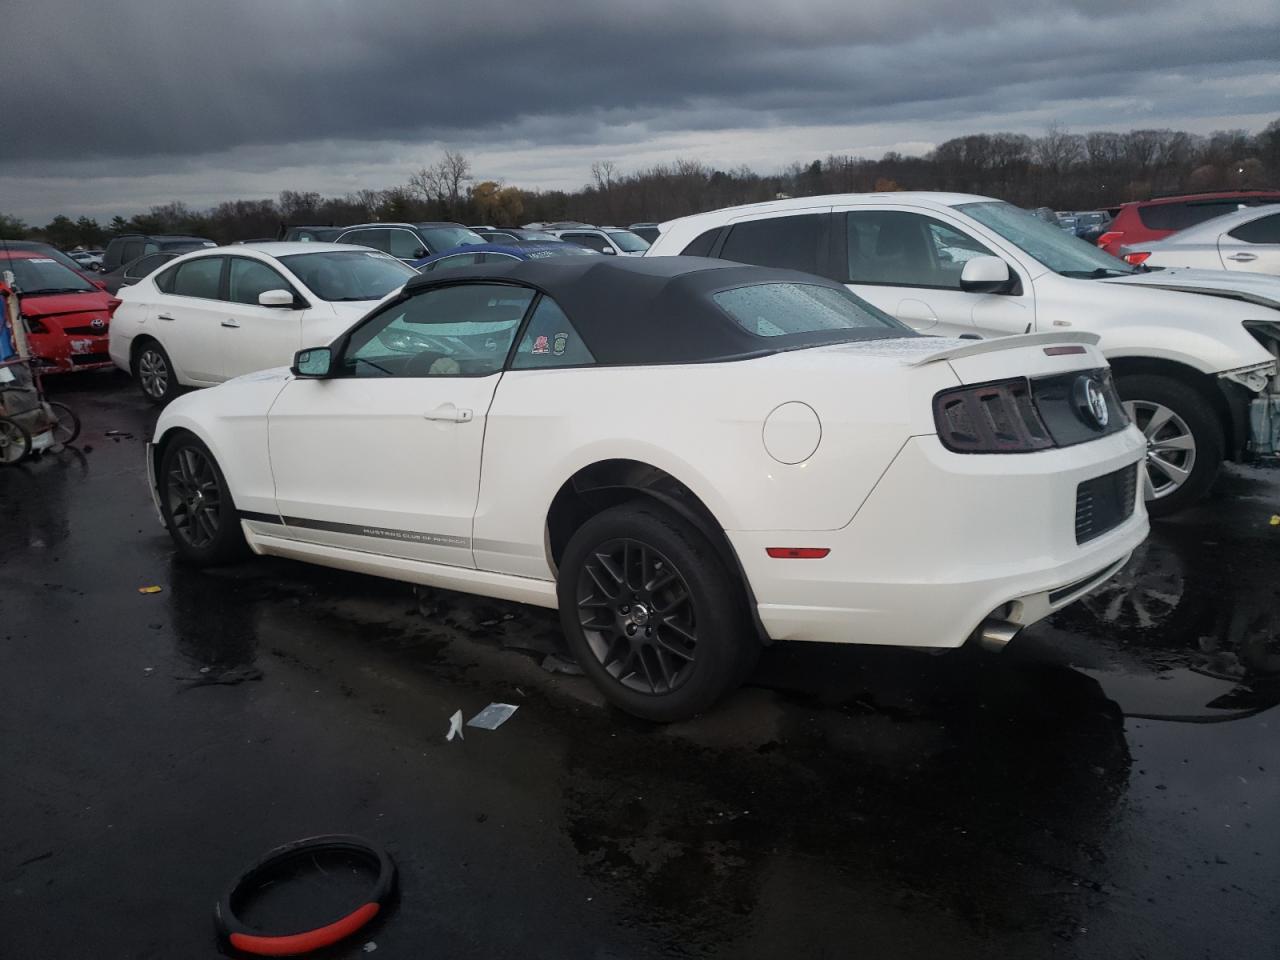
point(1059, 169)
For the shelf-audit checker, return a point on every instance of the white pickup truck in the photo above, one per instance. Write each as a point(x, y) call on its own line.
point(1195, 352)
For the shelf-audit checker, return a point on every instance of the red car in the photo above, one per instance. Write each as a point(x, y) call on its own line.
point(67, 316)
point(1156, 219)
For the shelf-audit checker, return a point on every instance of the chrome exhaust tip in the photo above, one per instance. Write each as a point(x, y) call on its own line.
point(994, 635)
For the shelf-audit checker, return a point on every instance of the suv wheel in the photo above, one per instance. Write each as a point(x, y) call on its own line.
point(652, 615)
point(154, 373)
point(1184, 439)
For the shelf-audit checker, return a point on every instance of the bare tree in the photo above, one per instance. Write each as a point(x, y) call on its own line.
point(443, 182)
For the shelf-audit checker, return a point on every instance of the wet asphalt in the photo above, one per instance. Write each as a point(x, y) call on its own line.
point(1108, 787)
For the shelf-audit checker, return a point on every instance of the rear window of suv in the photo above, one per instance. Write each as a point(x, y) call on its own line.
point(1179, 216)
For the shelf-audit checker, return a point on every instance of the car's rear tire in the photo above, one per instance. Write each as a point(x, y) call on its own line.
point(1185, 441)
point(652, 614)
point(196, 504)
point(153, 370)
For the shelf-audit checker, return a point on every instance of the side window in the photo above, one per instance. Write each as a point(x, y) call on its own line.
point(550, 341)
point(460, 331)
point(451, 263)
point(150, 247)
point(249, 278)
point(198, 278)
point(405, 245)
point(907, 249)
point(140, 268)
point(1262, 230)
point(378, 239)
point(588, 240)
point(703, 245)
point(788, 242)
point(164, 282)
point(130, 250)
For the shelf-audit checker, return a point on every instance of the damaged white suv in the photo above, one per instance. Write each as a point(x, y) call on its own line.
point(1194, 352)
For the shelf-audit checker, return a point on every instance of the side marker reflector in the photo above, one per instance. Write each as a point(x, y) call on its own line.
point(797, 553)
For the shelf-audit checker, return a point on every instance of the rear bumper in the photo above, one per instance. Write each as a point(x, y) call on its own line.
point(944, 542)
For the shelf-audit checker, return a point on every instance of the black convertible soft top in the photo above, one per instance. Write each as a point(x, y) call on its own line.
point(636, 310)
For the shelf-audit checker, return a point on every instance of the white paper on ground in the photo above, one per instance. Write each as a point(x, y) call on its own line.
point(493, 716)
point(455, 727)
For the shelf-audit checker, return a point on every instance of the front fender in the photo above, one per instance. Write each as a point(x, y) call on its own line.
point(1229, 347)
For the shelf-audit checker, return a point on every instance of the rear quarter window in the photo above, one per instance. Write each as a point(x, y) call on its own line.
point(790, 243)
point(1179, 216)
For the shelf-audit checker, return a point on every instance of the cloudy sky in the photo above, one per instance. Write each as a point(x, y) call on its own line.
point(126, 104)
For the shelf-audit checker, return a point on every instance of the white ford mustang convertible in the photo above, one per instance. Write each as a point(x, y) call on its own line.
point(688, 458)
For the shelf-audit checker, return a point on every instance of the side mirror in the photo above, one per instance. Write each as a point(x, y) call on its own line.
point(420, 253)
point(609, 252)
point(986, 275)
point(313, 363)
point(276, 298)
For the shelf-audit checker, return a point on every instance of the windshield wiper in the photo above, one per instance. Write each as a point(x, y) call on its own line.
point(1098, 274)
point(53, 290)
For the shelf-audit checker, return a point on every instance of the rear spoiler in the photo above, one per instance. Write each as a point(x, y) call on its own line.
point(1008, 343)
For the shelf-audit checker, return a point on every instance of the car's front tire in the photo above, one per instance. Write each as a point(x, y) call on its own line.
point(153, 370)
point(197, 506)
point(651, 613)
point(1185, 440)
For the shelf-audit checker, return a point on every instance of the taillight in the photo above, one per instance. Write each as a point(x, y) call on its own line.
point(1137, 258)
point(990, 418)
point(112, 304)
point(34, 325)
point(1111, 236)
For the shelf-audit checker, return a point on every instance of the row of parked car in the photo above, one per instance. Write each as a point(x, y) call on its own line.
point(911, 419)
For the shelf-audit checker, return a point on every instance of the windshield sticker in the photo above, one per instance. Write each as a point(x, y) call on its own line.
point(42, 260)
point(541, 345)
point(540, 254)
point(561, 342)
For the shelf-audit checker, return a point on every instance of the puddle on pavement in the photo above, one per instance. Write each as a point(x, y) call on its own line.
point(1189, 630)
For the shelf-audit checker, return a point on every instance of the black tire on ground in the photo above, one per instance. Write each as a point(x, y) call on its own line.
point(1143, 394)
point(651, 613)
point(197, 506)
point(153, 370)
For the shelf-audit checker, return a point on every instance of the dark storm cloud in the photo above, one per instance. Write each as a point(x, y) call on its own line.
point(139, 78)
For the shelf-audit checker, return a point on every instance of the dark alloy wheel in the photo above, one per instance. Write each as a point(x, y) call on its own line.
point(651, 613)
point(637, 615)
point(196, 504)
point(154, 373)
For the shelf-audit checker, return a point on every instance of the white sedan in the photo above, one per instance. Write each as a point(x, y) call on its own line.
point(217, 313)
point(1247, 240)
point(689, 458)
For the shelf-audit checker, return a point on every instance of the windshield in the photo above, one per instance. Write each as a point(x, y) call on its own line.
point(338, 276)
point(43, 249)
point(1059, 251)
point(628, 242)
point(783, 309)
point(441, 239)
point(42, 275)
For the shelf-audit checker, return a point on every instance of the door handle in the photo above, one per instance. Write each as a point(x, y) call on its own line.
point(233, 324)
point(448, 413)
point(1243, 257)
point(163, 316)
